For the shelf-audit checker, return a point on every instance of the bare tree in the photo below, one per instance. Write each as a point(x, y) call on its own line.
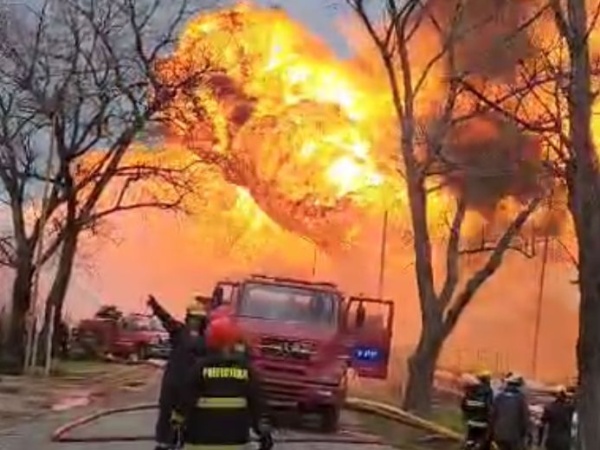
point(402, 24)
point(79, 77)
point(558, 83)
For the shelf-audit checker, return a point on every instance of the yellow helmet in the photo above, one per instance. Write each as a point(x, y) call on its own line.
point(560, 390)
point(484, 373)
point(196, 309)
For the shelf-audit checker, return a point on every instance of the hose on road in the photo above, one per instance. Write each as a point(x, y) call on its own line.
point(62, 434)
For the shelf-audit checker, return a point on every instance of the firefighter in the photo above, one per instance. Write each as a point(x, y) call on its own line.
point(220, 399)
point(557, 421)
point(476, 406)
point(187, 344)
point(510, 417)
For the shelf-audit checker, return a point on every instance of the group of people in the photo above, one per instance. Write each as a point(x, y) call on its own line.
point(210, 396)
point(501, 420)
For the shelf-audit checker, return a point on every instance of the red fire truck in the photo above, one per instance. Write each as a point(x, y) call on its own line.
point(304, 336)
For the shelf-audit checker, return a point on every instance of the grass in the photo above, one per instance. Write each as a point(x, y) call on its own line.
point(402, 436)
point(449, 416)
point(445, 413)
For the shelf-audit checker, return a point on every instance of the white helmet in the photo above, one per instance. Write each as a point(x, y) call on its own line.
point(468, 379)
point(515, 380)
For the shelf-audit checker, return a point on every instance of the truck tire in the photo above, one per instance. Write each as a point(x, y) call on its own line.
point(140, 354)
point(330, 419)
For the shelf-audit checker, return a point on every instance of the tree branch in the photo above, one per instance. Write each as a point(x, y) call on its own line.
point(494, 262)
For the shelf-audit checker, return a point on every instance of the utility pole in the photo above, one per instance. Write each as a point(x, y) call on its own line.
point(538, 315)
point(382, 255)
point(314, 261)
point(32, 334)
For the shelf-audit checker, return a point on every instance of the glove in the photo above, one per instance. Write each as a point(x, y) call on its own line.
point(266, 441)
point(177, 419)
point(265, 438)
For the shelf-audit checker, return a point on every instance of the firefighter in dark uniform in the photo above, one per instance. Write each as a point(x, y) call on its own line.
point(476, 406)
point(511, 422)
point(220, 399)
point(557, 421)
point(187, 344)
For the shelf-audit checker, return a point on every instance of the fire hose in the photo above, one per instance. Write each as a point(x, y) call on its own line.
point(63, 433)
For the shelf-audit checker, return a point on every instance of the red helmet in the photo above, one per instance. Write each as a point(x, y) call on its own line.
point(222, 333)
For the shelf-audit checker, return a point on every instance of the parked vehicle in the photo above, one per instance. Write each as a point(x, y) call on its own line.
point(303, 338)
point(135, 337)
point(140, 337)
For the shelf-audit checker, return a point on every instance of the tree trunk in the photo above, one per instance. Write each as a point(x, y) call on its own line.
point(583, 180)
point(21, 302)
point(421, 371)
point(585, 207)
point(588, 356)
point(60, 285)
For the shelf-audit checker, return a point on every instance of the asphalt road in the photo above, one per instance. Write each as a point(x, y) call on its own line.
point(35, 435)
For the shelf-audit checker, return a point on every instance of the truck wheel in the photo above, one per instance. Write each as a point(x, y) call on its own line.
point(142, 353)
point(330, 419)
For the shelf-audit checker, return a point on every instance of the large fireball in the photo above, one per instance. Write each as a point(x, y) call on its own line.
point(281, 116)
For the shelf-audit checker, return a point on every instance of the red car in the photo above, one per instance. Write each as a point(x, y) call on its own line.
point(140, 337)
point(135, 337)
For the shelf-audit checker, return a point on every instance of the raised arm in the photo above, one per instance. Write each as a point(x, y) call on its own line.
point(168, 321)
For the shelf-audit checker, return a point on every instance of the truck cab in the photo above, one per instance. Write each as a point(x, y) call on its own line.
point(304, 336)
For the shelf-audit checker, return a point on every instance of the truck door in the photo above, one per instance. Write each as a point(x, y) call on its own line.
point(369, 323)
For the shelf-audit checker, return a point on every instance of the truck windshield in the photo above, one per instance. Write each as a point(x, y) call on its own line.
point(288, 303)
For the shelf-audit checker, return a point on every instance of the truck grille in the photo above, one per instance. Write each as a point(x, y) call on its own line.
point(286, 349)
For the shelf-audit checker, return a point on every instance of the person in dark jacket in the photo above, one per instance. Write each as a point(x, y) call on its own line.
point(221, 400)
point(557, 421)
point(476, 406)
point(510, 417)
point(187, 345)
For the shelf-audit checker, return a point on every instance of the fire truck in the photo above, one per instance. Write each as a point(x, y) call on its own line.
point(305, 336)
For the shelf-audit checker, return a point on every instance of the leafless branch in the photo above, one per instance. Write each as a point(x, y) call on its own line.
point(83, 75)
point(493, 263)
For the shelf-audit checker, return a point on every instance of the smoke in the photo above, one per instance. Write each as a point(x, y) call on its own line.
point(486, 157)
point(489, 159)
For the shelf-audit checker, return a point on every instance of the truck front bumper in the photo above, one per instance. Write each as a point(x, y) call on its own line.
point(301, 393)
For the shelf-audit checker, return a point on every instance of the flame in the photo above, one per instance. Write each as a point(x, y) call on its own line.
point(297, 144)
point(310, 137)
point(304, 133)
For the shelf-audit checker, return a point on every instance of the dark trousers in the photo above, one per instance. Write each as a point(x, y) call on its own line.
point(558, 446)
point(505, 445)
point(478, 438)
point(165, 434)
